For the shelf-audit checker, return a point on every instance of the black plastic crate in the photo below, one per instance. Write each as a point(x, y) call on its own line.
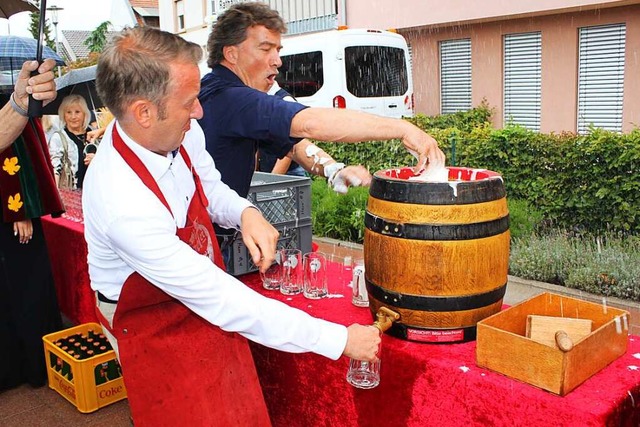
point(293, 235)
point(285, 201)
point(281, 198)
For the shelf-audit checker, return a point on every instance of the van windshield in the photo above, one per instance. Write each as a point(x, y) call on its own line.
point(375, 71)
point(301, 74)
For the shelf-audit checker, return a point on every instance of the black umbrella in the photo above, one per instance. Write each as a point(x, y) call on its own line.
point(11, 7)
point(14, 51)
point(80, 81)
point(35, 106)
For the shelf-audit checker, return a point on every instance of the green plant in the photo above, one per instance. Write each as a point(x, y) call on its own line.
point(34, 29)
point(607, 265)
point(524, 219)
point(339, 216)
point(97, 40)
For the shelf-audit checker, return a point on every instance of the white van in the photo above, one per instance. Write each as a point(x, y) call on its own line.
point(366, 70)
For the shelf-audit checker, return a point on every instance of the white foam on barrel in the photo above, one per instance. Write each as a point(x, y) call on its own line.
point(440, 174)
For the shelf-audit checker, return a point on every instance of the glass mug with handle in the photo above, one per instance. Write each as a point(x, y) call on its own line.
point(315, 275)
point(292, 280)
point(272, 278)
point(363, 374)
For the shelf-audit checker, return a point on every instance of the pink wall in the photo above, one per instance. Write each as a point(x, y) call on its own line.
point(559, 63)
point(417, 13)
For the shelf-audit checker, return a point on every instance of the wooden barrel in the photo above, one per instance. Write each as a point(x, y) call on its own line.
point(437, 252)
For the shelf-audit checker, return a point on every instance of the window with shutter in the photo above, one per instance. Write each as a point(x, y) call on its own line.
point(455, 75)
point(522, 79)
point(601, 77)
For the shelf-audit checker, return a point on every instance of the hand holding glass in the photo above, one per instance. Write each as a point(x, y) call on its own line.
point(362, 374)
point(272, 278)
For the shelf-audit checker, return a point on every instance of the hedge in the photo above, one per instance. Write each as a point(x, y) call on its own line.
point(587, 183)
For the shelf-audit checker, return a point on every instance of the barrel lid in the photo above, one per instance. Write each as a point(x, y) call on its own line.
point(455, 174)
point(465, 186)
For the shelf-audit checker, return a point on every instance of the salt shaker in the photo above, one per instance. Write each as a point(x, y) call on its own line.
point(359, 298)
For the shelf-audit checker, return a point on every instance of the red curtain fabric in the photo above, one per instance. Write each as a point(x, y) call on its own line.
point(421, 384)
point(68, 255)
point(430, 385)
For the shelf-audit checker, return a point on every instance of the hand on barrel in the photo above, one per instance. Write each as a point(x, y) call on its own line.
point(424, 148)
point(363, 342)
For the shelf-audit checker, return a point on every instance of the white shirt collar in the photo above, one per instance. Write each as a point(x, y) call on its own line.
point(156, 164)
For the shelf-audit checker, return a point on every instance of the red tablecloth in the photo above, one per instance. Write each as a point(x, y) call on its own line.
point(68, 255)
point(421, 385)
point(431, 385)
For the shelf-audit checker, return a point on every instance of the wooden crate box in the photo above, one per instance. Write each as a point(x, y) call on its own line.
point(502, 344)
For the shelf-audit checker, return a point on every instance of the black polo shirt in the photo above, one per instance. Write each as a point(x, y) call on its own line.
point(237, 120)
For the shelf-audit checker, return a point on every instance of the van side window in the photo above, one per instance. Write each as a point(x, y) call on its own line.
point(301, 74)
point(375, 71)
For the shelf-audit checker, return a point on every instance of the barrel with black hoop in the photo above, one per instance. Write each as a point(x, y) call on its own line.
point(437, 252)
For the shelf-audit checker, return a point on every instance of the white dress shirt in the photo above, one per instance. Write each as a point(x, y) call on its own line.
point(128, 229)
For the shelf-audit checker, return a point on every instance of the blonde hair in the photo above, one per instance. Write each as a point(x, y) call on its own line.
point(70, 100)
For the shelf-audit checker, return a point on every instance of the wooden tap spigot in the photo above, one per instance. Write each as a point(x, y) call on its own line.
point(385, 318)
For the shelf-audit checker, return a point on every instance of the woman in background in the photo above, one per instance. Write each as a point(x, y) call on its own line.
point(68, 147)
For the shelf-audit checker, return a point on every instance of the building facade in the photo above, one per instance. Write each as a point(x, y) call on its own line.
point(551, 66)
point(192, 19)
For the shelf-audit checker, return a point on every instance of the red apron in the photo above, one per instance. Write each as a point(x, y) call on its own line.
point(179, 369)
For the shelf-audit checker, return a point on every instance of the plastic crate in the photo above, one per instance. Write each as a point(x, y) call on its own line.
point(285, 201)
point(293, 235)
point(281, 198)
point(95, 382)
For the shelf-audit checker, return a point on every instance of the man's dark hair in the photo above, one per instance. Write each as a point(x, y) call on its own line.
point(231, 27)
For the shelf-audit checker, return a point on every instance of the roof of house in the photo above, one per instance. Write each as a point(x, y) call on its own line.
point(72, 45)
point(147, 11)
point(153, 4)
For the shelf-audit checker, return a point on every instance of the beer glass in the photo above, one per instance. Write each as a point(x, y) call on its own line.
point(291, 271)
point(315, 275)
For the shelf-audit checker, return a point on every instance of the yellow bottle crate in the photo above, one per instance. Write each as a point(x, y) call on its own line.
point(90, 383)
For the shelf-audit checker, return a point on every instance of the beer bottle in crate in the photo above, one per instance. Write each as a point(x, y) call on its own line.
point(100, 373)
point(55, 361)
point(72, 339)
point(114, 369)
point(66, 371)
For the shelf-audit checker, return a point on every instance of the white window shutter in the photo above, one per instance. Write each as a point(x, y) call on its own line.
point(522, 79)
point(455, 75)
point(601, 77)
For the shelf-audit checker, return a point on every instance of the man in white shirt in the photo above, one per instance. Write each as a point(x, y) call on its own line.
point(148, 200)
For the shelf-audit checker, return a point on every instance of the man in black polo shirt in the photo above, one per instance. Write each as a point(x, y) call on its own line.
point(240, 117)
